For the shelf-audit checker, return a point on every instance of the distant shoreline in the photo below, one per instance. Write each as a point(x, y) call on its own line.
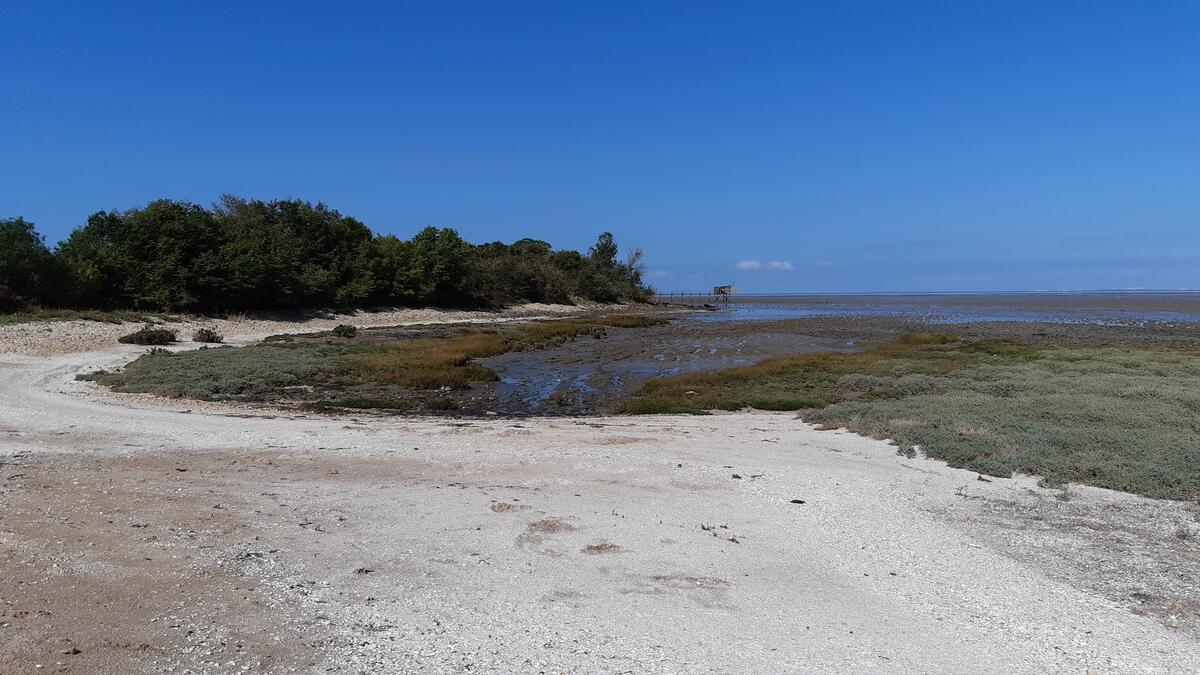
point(1101, 307)
point(889, 294)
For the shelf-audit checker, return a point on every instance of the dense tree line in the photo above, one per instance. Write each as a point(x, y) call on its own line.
point(252, 254)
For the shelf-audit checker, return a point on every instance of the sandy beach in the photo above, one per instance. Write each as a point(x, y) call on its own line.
point(176, 537)
point(557, 338)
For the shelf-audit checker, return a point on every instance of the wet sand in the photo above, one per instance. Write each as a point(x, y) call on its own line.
point(1132, 301)
point(1086, 308)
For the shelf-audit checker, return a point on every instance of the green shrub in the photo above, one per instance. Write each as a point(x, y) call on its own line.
point(149, 335)
point(206, 335)
point(344, 331)
point(780, 403)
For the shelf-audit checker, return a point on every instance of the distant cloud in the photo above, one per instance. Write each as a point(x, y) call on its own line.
point(774, 265)
point(657, 274)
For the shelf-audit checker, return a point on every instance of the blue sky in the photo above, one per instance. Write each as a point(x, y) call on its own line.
point(778, 146)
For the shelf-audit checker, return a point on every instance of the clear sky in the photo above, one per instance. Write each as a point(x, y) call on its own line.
point(833, 146)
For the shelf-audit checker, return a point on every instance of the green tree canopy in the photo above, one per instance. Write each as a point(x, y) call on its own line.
point(26, 265)
point(252, 254)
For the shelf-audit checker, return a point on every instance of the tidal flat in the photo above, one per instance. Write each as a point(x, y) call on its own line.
point(1101, 402)
point(374, 540)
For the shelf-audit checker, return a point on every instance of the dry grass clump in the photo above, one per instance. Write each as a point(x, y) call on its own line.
point(207, 335)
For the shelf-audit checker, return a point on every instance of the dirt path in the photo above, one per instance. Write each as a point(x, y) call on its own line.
point(137, 539)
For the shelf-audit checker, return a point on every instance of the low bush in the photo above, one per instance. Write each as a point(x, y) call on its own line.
point(149, 335)
point(206, 335)
point(344, 331)
point(780, 403)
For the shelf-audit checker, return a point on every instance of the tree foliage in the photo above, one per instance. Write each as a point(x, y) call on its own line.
point(251, 254)
point(27, 268)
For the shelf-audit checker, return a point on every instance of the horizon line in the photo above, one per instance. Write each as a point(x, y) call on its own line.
point(1130, 291)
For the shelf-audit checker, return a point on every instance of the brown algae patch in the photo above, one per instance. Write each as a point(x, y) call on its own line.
point(550, 526)
point(506, 507)
point(603, 548)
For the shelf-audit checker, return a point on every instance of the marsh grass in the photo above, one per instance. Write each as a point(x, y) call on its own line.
point(339, 369)
point(225, 372)
point(434, 363)
point(1125, 419)
point(631, 321)
point(802, 381)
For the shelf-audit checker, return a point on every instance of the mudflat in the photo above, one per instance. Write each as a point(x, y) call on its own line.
point(1115, 306)
point(148, 535)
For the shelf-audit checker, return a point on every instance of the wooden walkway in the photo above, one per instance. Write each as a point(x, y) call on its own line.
point(718, 297)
